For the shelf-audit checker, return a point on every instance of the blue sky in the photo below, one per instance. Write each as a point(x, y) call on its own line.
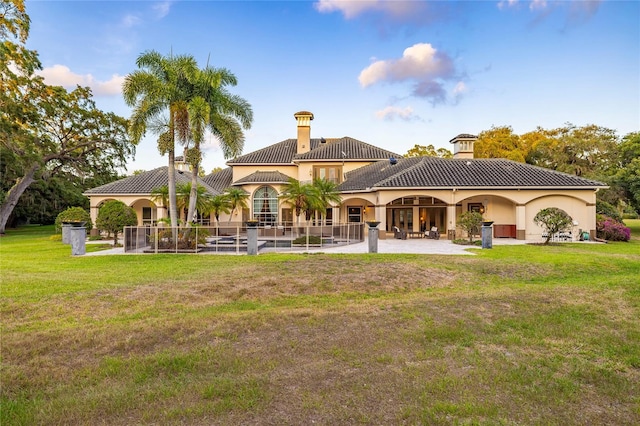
point(390, 73)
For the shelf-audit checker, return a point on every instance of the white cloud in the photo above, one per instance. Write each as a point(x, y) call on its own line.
point(507, 3)
point(460, 88)
point(162, 9)
point(129, 21)
point(421, 64)
point(391, 112)
point(60, 75)
point(398, 9)
point(579, 9)
point(538, 5)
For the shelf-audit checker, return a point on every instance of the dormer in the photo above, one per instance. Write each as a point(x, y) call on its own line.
point(463, 145)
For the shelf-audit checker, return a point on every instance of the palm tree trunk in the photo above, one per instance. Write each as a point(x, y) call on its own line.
point(193, 195)
point(173, 209)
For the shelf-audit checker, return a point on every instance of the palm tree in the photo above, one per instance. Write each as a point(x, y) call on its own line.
point(183, 198)
point(327, 194)
point(237, 199)
point(211, 107)
point(302, 196)
point(161, 195)
point(152, 90)
point(219, 204)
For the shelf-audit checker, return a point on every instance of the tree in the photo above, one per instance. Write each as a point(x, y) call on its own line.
point(553, 220)
point(219, 204)
point(627, 177)
point(587, 151)
point(470, 222)
point(212, 107)
point(154, 90)
point(500, 142)
point(113, 216)
point(72, 135)
point(428, 151)
point(47, 130)
point(302, 197)
point(201, 202)
point(195, 99)
point(328, 194)
point(237, 199)
point(74, 214)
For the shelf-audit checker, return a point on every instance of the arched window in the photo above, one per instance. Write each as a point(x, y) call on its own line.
point(265, 205)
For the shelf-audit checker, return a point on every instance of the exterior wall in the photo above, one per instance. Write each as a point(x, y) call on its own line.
point(305, 169)
point(582, 215)
point(137, 202)
point(503, 206)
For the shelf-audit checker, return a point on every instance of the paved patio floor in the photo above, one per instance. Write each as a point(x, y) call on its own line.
point(391, 245)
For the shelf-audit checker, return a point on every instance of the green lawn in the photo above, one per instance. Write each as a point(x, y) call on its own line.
point(514, 335)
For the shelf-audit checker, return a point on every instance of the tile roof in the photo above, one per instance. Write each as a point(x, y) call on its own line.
point(220, 180)
point(263, 177)
point(146, 182)
point(285, 152)
point(463, 136)
point(459, 173)
point(344, 148)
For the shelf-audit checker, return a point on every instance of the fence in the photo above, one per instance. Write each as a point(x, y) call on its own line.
point(232, 238)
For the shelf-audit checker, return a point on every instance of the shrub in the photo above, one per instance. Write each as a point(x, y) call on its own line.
point(470, 222)
point(313, 239)
point(610, 229)
point(113, 216)
point(467, 243)
point(553, 220)
point(74, 214)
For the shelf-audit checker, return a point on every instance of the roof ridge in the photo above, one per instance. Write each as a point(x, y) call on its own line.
point(402, 171)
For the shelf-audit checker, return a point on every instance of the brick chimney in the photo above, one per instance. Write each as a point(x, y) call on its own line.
point(304, 130)
point(463, 145)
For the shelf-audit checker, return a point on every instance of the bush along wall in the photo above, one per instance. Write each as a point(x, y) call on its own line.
point(610, 229)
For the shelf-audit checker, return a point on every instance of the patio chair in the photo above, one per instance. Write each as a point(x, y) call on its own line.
point(434, 234)
point(399, 234)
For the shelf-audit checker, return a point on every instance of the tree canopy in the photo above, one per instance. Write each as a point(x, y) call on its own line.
point(195, 100)
point(46, 130)
point(428, 151)
point(113, 216)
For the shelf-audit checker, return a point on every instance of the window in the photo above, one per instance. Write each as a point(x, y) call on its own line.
point(330, 173)
point(354, 214)
point(265, 205)
point(147, 219)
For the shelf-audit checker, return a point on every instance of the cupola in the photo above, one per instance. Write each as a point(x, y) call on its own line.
point(463, 145)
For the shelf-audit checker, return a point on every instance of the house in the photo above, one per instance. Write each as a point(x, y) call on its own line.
point(414, 194)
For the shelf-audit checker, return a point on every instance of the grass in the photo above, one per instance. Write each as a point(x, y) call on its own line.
point(513, 335)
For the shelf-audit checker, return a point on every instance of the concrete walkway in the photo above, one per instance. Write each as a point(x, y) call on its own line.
point(412, 246)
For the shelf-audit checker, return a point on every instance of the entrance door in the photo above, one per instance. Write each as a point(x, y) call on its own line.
point(402, 218)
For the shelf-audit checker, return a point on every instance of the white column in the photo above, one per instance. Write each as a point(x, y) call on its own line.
point(521, 222)
point(591, 220)
point(451, 218)
point(381, 216)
